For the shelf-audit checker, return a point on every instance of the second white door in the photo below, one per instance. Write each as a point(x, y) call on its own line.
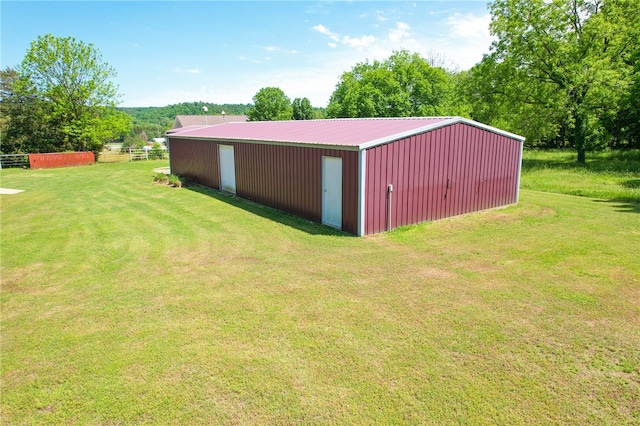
point(227, 169)
point(332, 191)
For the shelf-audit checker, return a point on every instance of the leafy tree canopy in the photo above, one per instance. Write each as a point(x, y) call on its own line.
point(22, 124)
point(155, 121)
point(270, 104)
point(302, 109)
point(65, 90)
point(559, 69)
point(403, 85)
point(625, 124)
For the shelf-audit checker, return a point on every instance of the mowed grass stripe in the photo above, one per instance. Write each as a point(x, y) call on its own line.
point(131, 302)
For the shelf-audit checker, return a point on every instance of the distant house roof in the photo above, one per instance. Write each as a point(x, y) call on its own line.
point(356, 133)
point(205, 120)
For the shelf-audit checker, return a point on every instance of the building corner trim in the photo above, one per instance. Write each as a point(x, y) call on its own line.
point(362, 173)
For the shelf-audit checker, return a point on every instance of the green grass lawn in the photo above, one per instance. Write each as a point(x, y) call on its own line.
point(127, 302)
point(608, 175)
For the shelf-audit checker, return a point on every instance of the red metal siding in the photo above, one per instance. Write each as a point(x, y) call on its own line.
point(288, 178)
point(61, 159)
point(197, 160)
point(445, 172)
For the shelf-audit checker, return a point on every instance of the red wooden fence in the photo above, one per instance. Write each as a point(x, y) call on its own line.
point(62, 159)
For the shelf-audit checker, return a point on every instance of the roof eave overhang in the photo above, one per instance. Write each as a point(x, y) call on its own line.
point(446, 122)
point(268, 142)
point(490, 128)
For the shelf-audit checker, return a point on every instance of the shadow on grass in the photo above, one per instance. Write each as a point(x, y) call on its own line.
point(631, 183)
point(622, 205)
point(279, 216)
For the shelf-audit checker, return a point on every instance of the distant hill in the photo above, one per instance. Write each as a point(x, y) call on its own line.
point(164, 116)
point(154, 121)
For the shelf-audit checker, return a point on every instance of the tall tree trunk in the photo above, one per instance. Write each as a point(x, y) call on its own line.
point(579, 138)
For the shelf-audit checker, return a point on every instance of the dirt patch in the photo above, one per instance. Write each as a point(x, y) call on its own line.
point(430, 272)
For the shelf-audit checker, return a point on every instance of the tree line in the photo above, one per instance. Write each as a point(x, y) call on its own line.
point(153, 122)
point(271, 104)
point(562, 73)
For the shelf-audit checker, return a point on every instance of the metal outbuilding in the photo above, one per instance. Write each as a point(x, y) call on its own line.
point(363, 176)
point(205, 120)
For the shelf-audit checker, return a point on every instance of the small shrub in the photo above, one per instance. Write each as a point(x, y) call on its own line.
point(160, 178)
point(156, 152)
point(174, 181)
point(171, 180)
point(133, 142)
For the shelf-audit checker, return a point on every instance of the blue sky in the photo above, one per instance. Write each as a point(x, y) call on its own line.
point(167, 52)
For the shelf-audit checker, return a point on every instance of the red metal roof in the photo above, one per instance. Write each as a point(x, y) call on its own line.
point(346, 132)
point(341, 132)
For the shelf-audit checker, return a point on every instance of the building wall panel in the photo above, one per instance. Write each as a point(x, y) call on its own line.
point(196, 160)
point(439, 183)
point(445, 172)
point(287, 178)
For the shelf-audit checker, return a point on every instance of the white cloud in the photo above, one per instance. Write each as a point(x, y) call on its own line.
point(324, 30)
point(466, 39)
point(186, 71)
point(456, 41)
point(358, 42)
point(280, 50)
point(380, 16)
point(400, 32)
point(332, 45)
point(469, 26)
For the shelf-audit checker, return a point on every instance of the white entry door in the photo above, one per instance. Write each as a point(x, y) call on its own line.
point(332, 191)
point(227, 169)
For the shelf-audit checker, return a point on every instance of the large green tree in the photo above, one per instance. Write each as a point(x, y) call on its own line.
point(625, 125)
point(23, 124)
point(560, 65)
point(72, 85)
point(501, 94)
point(270, 104)
point(302, 109)
point(400, 86)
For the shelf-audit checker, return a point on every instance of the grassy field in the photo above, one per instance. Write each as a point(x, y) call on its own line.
point(126, 302)
point(610, 175)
